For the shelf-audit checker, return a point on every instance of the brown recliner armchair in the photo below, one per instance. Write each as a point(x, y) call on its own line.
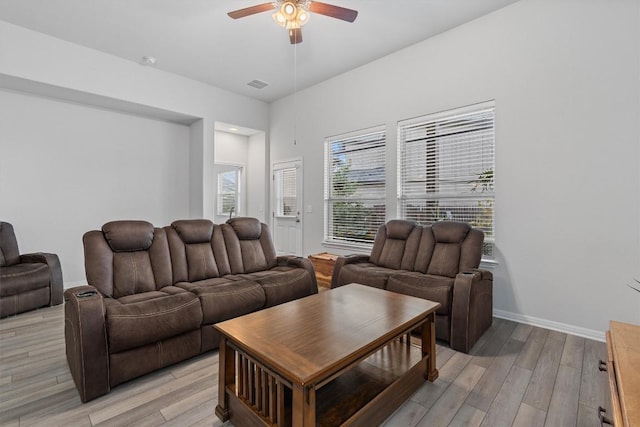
point(439, 263)
point(27, 281)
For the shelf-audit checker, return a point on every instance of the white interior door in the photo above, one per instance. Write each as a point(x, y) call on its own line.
point(287, 207)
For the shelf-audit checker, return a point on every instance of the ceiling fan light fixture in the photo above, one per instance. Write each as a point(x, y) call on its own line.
point(279, 18)
point(303, 16)
point(289, 10)
point(293, 14)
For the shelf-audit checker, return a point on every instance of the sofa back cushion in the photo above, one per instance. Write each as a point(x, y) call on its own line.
point(197, 250)
point(249, 245)
point(396, 245)
point(126, 258)
point(451, 253)
point(9, 254)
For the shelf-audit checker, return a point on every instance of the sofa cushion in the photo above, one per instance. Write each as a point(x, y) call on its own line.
point(20, 278)
point(226, 297)
point(246, 228)
point(9, 254)
point(135, 320)
point(194, 230)
point(399, 229)
point(396, 245)
point(426, 286)
point(365, 273)
point(450, 231)
point(445, 260)
point(283, 284)
point(127, 236)
point(249, 245)
point(201, 262)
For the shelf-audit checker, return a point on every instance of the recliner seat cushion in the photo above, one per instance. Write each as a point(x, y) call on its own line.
point(150, 319)
point(426, 286)
point(226, 297)
point(366, 273)
point(19, 278)
point(283, 283)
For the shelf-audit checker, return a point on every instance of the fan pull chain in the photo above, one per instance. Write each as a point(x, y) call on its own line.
point(295, 94)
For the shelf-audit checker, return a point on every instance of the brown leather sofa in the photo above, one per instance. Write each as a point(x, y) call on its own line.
point(154, 294)
point(439, 263)
point(27, 281)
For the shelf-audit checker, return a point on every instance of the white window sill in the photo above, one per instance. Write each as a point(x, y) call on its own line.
point(356, 248)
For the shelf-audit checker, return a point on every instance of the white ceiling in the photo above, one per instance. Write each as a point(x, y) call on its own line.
point(196, 38)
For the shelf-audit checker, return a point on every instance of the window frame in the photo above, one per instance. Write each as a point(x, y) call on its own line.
point(237, 193)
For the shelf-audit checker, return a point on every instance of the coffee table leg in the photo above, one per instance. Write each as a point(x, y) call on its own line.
point(227, 374)
point(429, 346)
point(304, 406)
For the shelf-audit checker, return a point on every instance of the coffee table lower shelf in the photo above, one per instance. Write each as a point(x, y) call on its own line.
point(366, 394)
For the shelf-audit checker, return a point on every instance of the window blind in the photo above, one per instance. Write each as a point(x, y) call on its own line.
point(286, 191)
point(355, 186)
point(446, 168)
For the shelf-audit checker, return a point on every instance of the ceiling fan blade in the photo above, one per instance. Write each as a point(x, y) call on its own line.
point(338, 12)
point(295, 36)
point(241, 13)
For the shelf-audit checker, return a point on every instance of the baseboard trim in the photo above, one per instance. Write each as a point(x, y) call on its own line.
point(550, 324)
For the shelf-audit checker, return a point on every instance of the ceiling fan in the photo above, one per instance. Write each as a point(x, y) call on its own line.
point(293, 14)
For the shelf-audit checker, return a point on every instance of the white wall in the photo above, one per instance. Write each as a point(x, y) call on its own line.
point(231, 148)
point(565, 79)
point(250, 152)
point(67, 168)
point(63, 69)
point(257, 177)
point(35, 63)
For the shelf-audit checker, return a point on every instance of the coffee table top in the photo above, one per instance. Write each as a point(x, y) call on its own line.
point(311, 338)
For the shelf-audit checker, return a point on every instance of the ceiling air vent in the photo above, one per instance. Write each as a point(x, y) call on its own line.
point(258, 84)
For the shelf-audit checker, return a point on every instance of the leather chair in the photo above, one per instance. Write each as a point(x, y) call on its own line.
point(27, 281)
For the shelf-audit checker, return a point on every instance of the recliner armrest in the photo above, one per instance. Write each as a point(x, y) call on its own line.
point(472, 308)
point(55, 273)
point(341, 262)
point(299, 262)
point(85, 336)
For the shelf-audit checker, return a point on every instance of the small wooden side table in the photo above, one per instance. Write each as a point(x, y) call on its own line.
point(323, 263)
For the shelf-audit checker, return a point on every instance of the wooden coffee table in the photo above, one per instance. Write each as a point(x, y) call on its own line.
point(341, 356)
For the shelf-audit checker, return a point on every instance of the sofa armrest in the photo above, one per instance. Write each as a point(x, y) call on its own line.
point(341, 262)
point(472, 308)
point(85, 337)
point(55, 273)
point(299, 262)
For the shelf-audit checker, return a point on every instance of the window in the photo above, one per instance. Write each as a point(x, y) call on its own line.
point(446, 169)
point(354, 187)
point(228, 202)
point(286, 194)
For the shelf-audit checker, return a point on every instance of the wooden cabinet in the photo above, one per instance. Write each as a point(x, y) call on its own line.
point(623, 366)
point(323, 264)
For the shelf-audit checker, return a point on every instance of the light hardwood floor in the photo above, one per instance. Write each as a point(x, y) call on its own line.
point(517, 375)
